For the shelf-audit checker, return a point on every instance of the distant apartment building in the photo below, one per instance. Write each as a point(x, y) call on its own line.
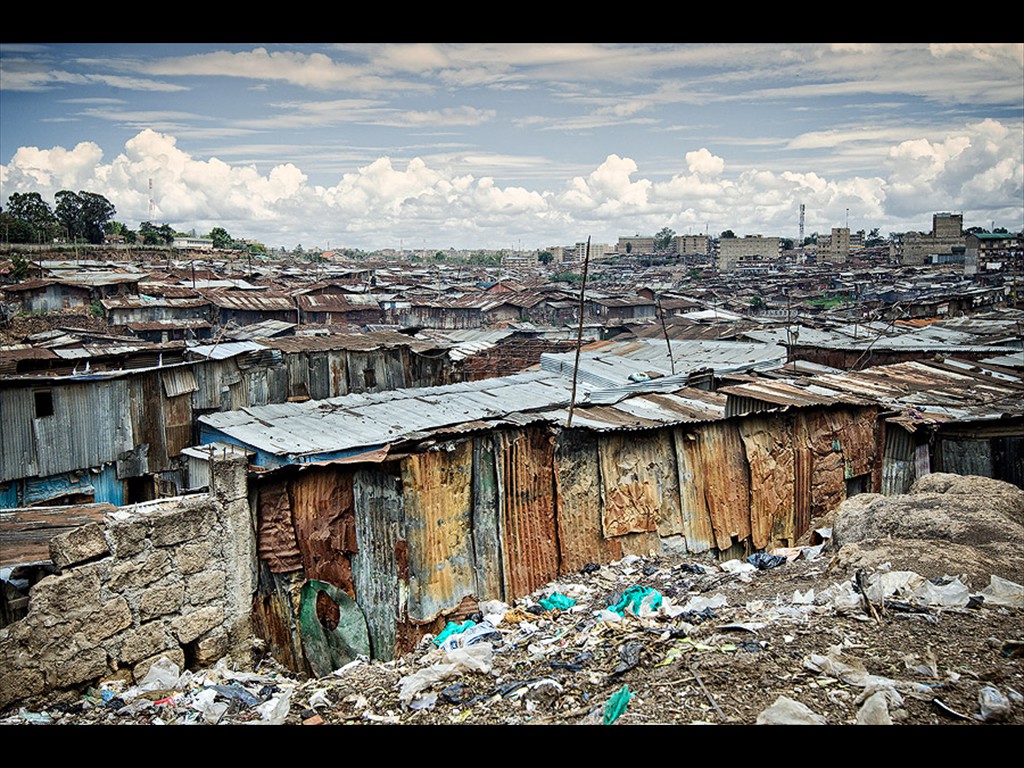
point(691, 245)
point(945, 240)
point(575, 254)
point(983, 250)
point(752, 251)
point(836, 249)
point(635, 244)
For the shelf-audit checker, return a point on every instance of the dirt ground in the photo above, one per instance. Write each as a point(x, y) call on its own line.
point(753, 639)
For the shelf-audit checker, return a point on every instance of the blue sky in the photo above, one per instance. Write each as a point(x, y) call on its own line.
point(518, 145)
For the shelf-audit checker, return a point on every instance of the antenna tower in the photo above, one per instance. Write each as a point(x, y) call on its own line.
point(801, 225)
point(151, 199)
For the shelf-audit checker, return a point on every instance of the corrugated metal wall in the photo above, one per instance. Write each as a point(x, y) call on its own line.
point(898, 472)
point(769, 445)
point(501, 513)
point(578, 493)
point(726, 481)
point(380, 568)
point(693, 509)
point(529, 535)
point(438, 490)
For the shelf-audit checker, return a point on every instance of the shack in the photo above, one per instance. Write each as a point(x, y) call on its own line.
point(418, 504)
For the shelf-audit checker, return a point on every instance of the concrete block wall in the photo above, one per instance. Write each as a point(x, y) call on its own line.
point(169, 578)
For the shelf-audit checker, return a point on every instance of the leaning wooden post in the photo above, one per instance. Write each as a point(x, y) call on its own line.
point(579, 336)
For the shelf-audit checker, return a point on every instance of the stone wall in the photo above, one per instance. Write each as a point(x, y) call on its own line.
point(169, 578)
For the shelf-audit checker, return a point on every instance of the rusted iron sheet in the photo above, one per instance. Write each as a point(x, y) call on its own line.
point(178, 424)
point(438, 526)
point(147, 401)
point(578, 495)
point(275, 531)
point(726, 482)
point(639, 483)
point(486, 538)
point(526, 497)
point(275, 616)
point(645, 544)
point(325, 524)
point(380, 572)
point(820, 436)
point(856, 429)
point(693, 507)
point(25, 533)
point(769, 446)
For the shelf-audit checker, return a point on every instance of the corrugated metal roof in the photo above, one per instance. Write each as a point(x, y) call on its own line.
point(926, 392)
point(252, 302)
point(225, 350)
point(355, 421)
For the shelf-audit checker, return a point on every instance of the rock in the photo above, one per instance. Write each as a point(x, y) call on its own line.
point(946, 524)
point(161, 600)
point(190, 626)
point(78, 545)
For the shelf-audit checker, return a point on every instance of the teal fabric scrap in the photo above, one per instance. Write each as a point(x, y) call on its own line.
point(633, 597)
point(557, 601)
point(452, 629)
point(617, 705)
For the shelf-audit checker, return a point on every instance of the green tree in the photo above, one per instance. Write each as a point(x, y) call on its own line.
point(221, 238)
point(15, 230)
point(874, 238)
point(82, 216)
point(119, 228)
point(30, 208)
point(663, 240)
point(728, 235)
point(545, 257)
point(153, 235)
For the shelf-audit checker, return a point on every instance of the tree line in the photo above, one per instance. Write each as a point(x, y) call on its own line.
point(88, 217)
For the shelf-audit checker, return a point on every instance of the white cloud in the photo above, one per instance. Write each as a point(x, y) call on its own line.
point(978, 168)
point(309, 70)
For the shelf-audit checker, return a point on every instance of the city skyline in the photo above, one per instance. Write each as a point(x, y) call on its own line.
point(518, 145)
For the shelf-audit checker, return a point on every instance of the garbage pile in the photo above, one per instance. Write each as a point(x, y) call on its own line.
point(767, 639)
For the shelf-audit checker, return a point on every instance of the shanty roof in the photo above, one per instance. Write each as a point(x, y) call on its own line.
point(924, 392)
point(347, 423)
point(610, 363)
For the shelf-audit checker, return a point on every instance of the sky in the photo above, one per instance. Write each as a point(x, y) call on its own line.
point(518, 146)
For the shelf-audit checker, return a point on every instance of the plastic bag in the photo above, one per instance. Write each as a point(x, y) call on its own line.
point(557, 601)
point(635, 598)
point(616, 705)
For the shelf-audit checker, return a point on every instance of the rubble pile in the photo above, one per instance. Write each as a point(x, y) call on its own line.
point(796, 635)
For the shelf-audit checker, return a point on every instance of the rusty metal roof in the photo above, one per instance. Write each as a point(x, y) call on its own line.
point(924, 392)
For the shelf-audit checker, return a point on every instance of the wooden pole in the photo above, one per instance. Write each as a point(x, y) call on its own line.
point(664, 330)
point(579, 336)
